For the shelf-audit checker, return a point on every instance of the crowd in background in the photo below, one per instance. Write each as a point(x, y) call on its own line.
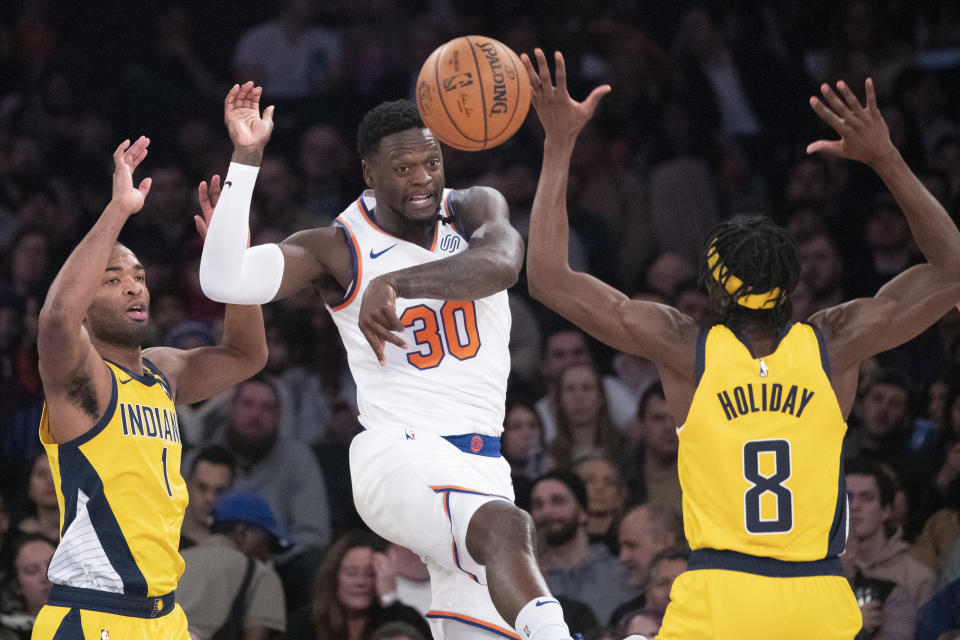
point(708, 118)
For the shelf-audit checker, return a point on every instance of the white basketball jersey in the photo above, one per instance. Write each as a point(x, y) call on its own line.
point(452, 378)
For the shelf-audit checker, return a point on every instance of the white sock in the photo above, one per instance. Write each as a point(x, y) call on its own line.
point(542, 619)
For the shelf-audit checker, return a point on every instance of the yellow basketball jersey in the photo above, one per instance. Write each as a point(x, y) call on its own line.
point(759, 458)
point(120, 491)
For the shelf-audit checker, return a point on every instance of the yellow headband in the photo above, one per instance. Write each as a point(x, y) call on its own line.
point(732, 284)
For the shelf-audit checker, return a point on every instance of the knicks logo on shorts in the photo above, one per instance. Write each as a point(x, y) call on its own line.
point(476, 443)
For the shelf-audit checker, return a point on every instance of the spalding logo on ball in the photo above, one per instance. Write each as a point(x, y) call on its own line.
point(473, 93)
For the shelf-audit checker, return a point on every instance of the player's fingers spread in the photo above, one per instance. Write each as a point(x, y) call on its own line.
point(393, 338)
point(118, 154)
point(826, 113)
point(829, 146)
point(561, 71)
point(543, 70)
point(871, 96)
point(528, 65)
point(849, 99)
point(594, 98)
point(834, 100)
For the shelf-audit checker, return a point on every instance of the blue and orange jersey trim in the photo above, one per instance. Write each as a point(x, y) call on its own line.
point(475, 622)
point(449, 214)
point(369, 217)
point(356, 264)
point(447, 490)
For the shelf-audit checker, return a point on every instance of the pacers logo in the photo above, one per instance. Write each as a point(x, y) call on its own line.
point(104, 634)
point(476, 443)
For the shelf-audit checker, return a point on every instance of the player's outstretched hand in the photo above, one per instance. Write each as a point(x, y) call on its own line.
point(241, 113)
point(863, 133)
point(560, 115)
point(125, 160)
point(378, 317)
point(208, 195)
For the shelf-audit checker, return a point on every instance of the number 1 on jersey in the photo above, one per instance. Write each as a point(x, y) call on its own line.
point(166, 477)
point(765, 482)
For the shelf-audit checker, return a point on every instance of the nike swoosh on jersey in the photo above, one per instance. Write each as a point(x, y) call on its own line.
point(126, 381)
point(375, 255)
point(540, 603)
point(228, 183)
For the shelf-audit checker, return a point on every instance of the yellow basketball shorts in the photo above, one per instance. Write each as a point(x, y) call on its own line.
point(114, 616)
point(721, 604)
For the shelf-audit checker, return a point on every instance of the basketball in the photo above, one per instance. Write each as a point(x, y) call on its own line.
point(473, 93)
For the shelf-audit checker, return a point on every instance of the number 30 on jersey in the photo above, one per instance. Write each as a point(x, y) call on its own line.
point(452, 329)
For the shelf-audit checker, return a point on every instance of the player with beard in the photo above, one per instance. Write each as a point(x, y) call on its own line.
point(110, 428)
point(415, 276)
point(571, 565)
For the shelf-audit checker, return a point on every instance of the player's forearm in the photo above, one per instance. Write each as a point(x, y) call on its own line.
point(470, 275)
point(229, 270)
point(935, 233)
point(77, 281)
point(549, 239)
point(244, 335)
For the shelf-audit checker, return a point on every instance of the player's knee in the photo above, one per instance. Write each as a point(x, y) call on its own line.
point(497, 528)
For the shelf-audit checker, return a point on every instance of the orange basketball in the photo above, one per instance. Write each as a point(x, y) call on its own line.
point(473, 93)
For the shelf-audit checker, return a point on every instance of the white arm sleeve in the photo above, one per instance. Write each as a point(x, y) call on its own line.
point(229, 271)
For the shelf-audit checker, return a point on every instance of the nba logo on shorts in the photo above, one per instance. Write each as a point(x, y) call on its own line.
point(476, 443)
point(104, 634)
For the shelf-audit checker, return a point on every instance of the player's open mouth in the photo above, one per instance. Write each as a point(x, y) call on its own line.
point(421, 201)
point(137, 312)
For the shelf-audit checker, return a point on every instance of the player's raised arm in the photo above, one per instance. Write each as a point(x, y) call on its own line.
point(638, 327)
point(918, 297)
point(71, 369)
point(230, 271)
point(197, 374)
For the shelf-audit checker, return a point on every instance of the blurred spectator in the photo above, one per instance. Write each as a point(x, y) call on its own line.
point(281, 472)
point(821, 270)
point(396, 631)
point(645, 623)
point(652, 473)
point(645, 531)
point(290, 56)
point(939, 619)
point(561, 349)
point(413, 579)
point(879, 553)
point(210, 475)
point(584, 426)
point(326, 165)
point(571, 565)
point(354, 594)
point(227, 590)
point(606, 497)
point(664, 569)
point(522, 445)
point(44, 517)
point(24, 586)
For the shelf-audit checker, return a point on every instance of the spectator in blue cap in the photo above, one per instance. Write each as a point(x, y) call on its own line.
point(227, 589)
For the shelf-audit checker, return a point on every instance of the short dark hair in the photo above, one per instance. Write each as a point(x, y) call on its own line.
point(383, 120)
point(678, 552)
point(655, 390)
point(393, 630)
point(764, 257)
point(866, 467)
point(568, 478)
point(214, 454)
